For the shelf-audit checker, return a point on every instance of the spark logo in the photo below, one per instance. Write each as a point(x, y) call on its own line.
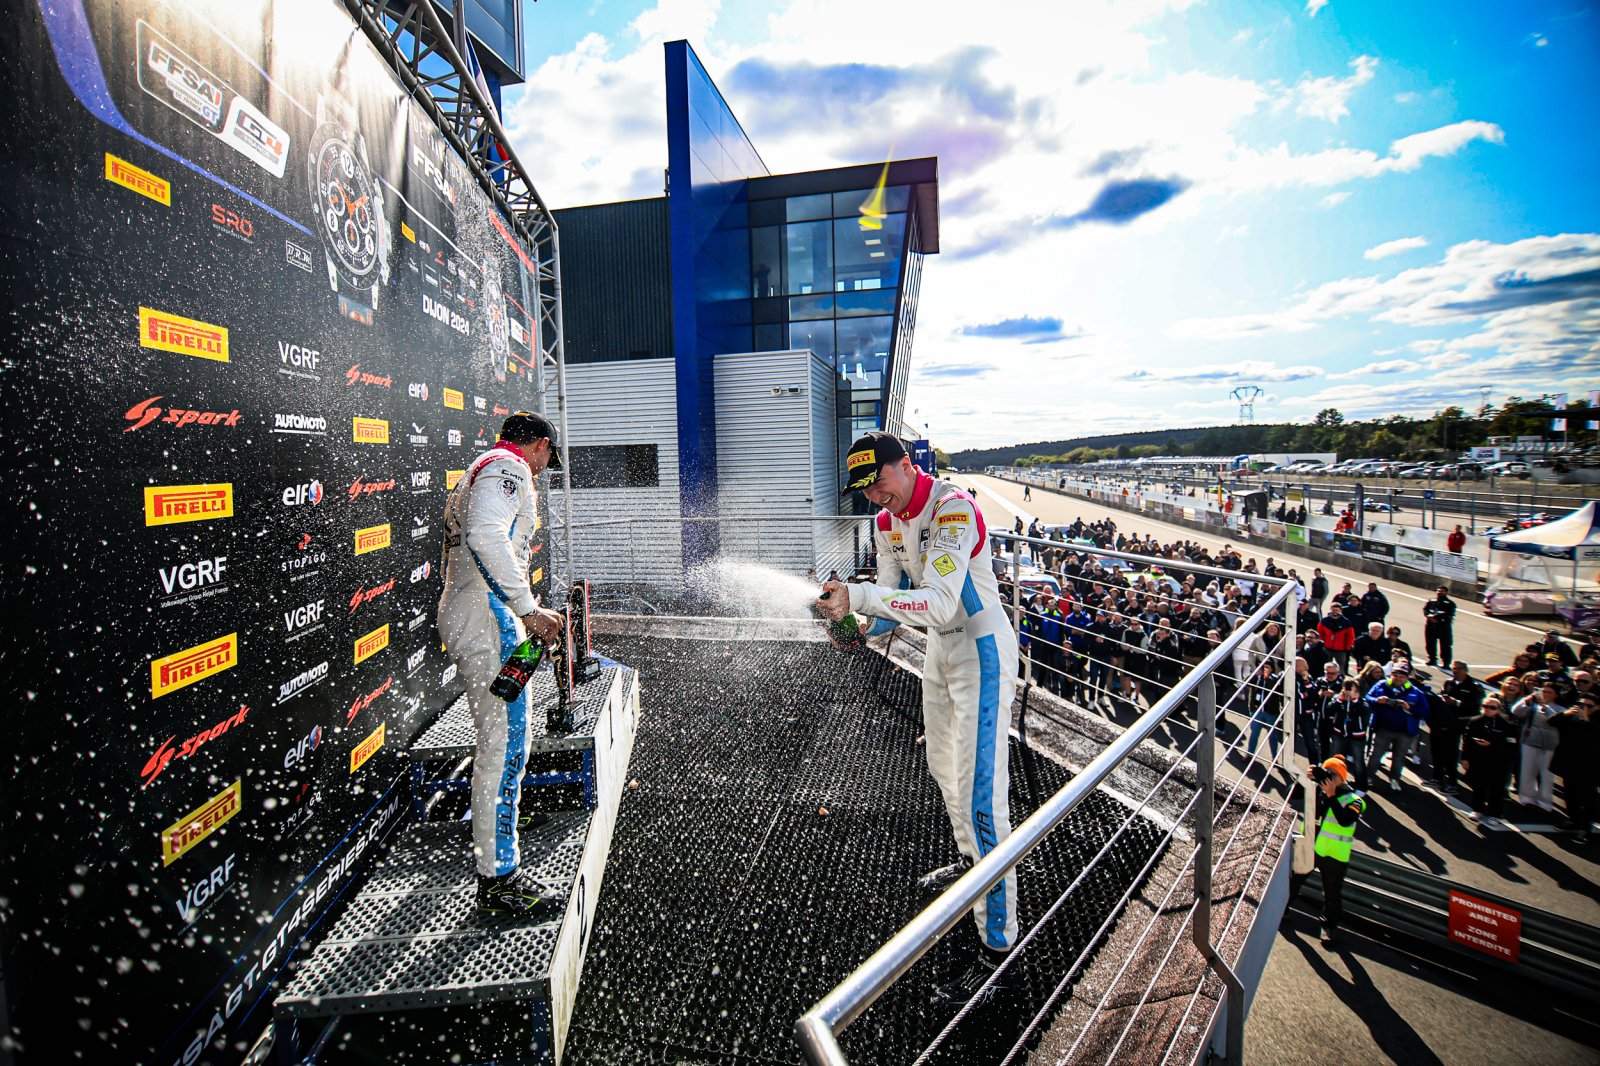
point(192, 828)
point(172, 672)
point(366, 749)
point(356, 376)
point(363, 702)
point(365, 596)
point(182, 336)
point(369, 430)
point(372, 643)
point(145, 412)
point(166, 752)
point(125, 174)
point(359, 488)
point(166, 505)
point(454, 400)
point(372, 539)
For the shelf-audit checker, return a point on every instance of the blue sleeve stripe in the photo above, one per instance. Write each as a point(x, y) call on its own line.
point(983, 779)
point(494, 586)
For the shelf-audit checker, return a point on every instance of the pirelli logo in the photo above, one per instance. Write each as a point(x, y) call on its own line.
point(166, 505)
point(454, 399)
point(408, 233)
point(958, 518)
point(369, 431)
point(372, 643)
point(125, 174)
point(185, 336)
point(192, 828)
point(172, 672)
point(452, 478)
point(372, 539)
point(861, 459)
point(366, 749)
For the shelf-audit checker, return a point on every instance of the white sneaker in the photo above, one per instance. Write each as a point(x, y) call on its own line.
point(1394, 786)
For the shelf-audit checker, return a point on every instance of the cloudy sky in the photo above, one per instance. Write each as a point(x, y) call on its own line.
point(1380, 207)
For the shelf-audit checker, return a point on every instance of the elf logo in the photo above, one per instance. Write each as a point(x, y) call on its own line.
point(200, 894)
point(302, 748)
point(417, 390)
point(295, 495)
point(302, 620)
point(422, 573)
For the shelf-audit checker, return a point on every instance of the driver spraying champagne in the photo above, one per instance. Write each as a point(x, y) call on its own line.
point(935, 571)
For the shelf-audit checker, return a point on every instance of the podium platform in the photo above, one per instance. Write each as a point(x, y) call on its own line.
point(411, 972)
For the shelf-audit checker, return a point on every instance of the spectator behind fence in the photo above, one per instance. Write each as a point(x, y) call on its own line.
point(1490, 748)
point(1398, 710)
point(1438, 626)
point(1371, 646)
point(1338, 635)
point(1460, 699)
point(1578, 761)
point(1349, 718)
point(1539, 740)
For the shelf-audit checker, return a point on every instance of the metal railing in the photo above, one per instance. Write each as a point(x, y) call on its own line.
point(818, 1029)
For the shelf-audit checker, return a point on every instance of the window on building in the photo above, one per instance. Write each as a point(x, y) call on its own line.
point(817, 336)
point(615, 466)
point(802, 208)
point(866, 259)
point(808, 257)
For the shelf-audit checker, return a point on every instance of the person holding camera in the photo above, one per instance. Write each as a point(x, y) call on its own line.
point(1339, 808)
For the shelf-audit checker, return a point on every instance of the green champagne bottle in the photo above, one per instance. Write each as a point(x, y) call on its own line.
point(517, 670)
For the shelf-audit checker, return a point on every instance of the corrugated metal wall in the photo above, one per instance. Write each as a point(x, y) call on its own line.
point(616, 281)
point(777, 456)
point(632, 402)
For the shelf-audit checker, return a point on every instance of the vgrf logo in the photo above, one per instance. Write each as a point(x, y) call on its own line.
point(304, 619)
point(421, 480)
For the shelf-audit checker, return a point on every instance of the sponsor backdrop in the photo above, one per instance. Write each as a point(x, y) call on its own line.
point(260, 319)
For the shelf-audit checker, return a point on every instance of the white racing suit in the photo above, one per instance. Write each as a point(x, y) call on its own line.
point(489, 522)
point(938, 549)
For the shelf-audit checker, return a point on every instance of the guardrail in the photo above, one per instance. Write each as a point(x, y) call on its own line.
point(1549, 947)
point(818, 1029)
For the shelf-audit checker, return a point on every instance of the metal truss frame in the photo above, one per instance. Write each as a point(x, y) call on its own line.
point(413, 39)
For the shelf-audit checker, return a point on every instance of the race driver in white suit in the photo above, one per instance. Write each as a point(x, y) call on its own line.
point(486, 610)
point(935, 570)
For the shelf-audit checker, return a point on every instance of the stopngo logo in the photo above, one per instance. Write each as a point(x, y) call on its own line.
point(172, 672)
point(166, 505)
point(183, 336)
point(125, 174)
point(369, 430)
point(192, 828)
point(372, 643)
point(366, 749)
point(372, 539)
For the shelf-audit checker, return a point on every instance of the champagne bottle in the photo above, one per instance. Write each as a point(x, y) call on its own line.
point(517, 670)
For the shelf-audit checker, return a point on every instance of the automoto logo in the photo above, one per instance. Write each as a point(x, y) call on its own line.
point(371, 644)
point(417, 390)
point(356, 376)
point(182, 336)
point(182, 835)
point(422, 573)
point(363, 702)
point(366, 749)
point(166, 753)
point(146, 412)
point(454, 399)
point(188, 582)
point(302, 681)
point(299, 425)
point(296, 495)
point(421, 481)
point(181, 669)
point(359, 488)
point(418, 436)
point(166, 505)
point(372, 539)
point(304, 619)
point(125, 174)
point(369, 430)
point(364, 595)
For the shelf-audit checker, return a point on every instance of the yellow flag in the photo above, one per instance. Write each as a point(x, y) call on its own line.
point(872, 212)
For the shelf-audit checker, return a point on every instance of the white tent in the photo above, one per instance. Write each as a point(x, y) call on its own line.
point(1549, 569)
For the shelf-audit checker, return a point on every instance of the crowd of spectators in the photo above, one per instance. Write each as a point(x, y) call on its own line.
point(1102, 632)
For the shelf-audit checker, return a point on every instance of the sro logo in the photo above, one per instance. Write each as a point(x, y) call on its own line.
point(231, 222)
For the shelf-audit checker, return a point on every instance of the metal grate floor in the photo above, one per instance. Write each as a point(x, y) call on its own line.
point(453, 735)
point(732, 902)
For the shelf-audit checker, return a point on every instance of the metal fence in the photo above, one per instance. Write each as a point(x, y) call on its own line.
point(1261, 696)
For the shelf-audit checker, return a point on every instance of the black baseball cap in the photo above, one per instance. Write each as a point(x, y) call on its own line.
point(869, 454)
point(525, 427)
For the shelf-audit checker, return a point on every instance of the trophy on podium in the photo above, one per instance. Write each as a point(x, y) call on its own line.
point(574, 660)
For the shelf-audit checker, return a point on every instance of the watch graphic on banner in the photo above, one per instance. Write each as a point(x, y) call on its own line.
point(347, 203)
point(494, 310)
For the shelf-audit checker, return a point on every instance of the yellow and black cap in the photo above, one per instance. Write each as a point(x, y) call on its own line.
point(868, 455)
point(525, 427)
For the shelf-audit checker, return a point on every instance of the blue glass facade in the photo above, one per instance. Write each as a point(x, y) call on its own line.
point(826, 260)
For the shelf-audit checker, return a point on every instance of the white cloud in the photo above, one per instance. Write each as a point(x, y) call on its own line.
point(1334, 199)
point(1387, 366)
point(1329, 98)
point(1246, 371)
point(1230, 232)
point(1394, 247)
point(1313, 6)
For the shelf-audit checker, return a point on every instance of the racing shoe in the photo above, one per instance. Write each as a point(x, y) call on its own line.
point(519, 894)
point(969, 983)
point(936, 881)
point(531, 820)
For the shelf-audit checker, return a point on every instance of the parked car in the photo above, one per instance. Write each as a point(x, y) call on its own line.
point(1421, 472)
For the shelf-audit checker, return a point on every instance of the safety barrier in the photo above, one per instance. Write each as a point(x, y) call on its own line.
point(819, 1028)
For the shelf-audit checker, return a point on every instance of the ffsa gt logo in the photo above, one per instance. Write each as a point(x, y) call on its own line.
point(434, 172)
